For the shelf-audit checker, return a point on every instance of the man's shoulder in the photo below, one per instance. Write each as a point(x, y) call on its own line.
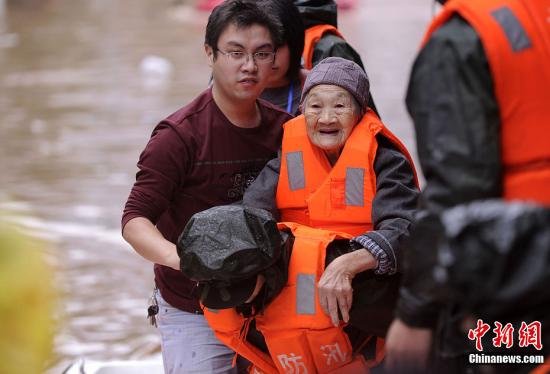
point(456, 30)
point(198, 105)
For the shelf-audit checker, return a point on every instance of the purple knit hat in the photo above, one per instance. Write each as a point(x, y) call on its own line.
point(340, 72)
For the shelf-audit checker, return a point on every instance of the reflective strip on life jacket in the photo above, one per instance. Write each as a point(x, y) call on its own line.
point(312, 36)
point(515, 35)
point(305, 293)
point(296, 173)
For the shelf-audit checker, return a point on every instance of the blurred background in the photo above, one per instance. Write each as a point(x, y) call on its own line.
point(82, 84)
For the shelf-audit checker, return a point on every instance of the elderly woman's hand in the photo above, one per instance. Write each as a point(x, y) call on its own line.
point(334, 287)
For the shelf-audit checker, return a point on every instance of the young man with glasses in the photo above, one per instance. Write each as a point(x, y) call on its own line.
point(201, 156)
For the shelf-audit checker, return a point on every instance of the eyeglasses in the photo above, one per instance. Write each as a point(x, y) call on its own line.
point(239, 57)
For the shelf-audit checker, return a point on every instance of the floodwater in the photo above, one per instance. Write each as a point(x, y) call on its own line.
point(82, 84)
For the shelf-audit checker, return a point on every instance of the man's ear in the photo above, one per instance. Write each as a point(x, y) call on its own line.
point(209, 54)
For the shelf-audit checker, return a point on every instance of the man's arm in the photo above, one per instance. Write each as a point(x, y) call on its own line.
point(161, 171)
point(147, 241)
point(451, 101)
point(453, 106)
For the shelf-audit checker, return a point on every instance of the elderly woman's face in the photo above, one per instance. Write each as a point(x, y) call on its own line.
point(331, 114)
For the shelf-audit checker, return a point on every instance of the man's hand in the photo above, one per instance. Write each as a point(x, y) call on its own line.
point(407, 348)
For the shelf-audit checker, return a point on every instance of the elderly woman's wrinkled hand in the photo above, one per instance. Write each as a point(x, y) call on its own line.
point(334, 288)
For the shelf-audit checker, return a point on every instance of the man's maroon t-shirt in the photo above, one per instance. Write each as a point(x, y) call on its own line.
point(197, 159)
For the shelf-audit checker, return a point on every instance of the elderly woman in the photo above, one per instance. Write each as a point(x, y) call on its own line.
point(341, 169)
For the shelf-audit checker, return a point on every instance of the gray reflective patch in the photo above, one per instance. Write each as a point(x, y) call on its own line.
point(305, 294)
point(355, 186)
point(517, 37)
point(296, 177)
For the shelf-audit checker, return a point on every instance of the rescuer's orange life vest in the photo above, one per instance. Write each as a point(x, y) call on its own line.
point(312, 36)
point(515, 35)
point(338, 198)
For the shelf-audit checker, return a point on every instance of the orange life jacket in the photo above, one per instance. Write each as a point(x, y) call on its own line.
point(299, 335)
point(515, 35)
point(338, 198)
point(312, 36)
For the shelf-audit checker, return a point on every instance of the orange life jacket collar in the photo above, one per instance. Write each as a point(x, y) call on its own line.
point(312, 36)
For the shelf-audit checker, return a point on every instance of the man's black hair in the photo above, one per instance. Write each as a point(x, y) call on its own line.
point(293, 31)
point(242, 13)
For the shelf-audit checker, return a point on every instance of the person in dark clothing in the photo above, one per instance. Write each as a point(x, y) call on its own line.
point(320, 18)
point(323, 12)
point(466, 85)
point(203, 155)
point(285, 85)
